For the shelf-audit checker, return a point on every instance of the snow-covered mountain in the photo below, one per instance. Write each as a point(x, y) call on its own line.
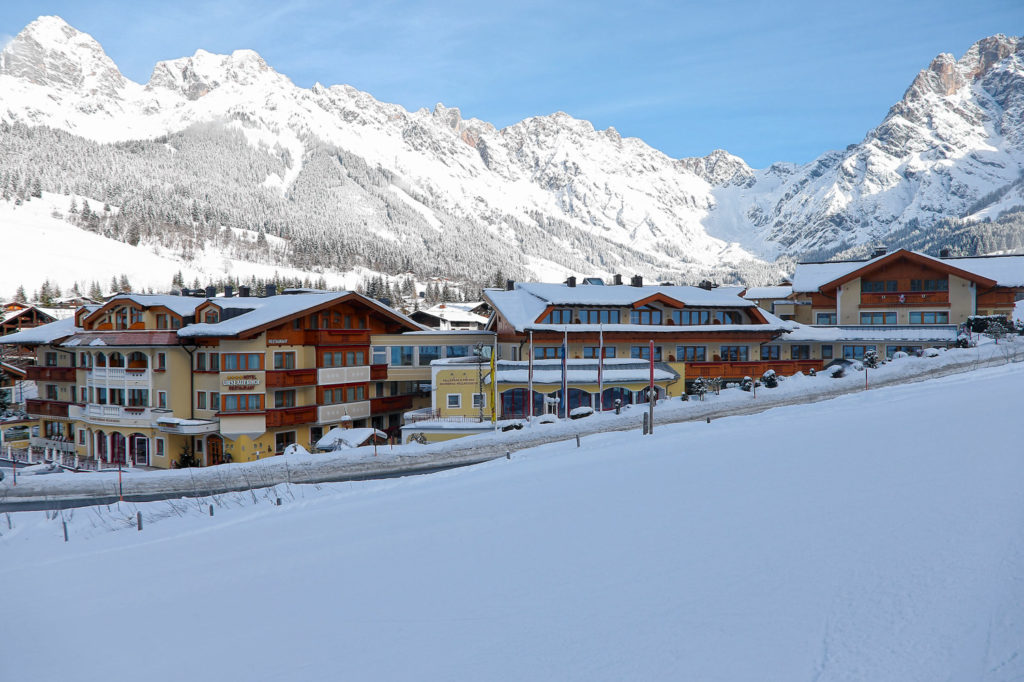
point(349, 180)
point(951, 147)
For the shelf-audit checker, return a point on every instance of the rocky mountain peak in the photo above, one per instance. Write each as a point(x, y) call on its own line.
point(51, 53)
point(204, 71)
point(720, 168)
point(987, 52)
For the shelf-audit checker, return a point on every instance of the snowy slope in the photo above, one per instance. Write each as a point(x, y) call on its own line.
point(42, 246)
point(732, 551)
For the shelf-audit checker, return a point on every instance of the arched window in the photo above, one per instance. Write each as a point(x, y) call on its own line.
point(577, 398)
point(101, 360)
point(515, 403)
point(614, 393)
point(116, 359)
point(137, 360)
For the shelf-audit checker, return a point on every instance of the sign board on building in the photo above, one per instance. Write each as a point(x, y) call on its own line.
point(241, 382)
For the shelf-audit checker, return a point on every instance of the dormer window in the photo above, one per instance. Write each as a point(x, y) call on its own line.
point(211, 317)
point(645, 315)
point(599, 316)
point(558, 316)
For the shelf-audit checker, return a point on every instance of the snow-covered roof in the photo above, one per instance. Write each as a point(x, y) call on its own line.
point(523, 305)
point(44, 333)
point(812, 276)
point(582, 371)
point(180, 305)
point(758, 293)
point(1007, 271)
point(349, 438)
point(839, 334)
point(258, 311)
point(455, 312)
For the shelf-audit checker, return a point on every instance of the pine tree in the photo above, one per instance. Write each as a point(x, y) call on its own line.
point(124, 285)
point(37, 188)
point(133, 237)
point(95, 292)
point(19, 295)
point(113, 285)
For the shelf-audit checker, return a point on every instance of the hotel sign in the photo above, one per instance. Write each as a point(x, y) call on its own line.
point(241, 382)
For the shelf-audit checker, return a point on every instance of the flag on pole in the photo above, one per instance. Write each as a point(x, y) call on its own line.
point(651, 351)
point(600, 369)
point(565, 373)
point(529, 375)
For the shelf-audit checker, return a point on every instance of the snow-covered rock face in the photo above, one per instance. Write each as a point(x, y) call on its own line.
point(50, 53)
point(956, 136)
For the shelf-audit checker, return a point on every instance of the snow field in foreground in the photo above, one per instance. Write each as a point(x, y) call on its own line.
point(876, 536)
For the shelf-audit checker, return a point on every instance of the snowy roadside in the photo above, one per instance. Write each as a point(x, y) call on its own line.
point(361, 463)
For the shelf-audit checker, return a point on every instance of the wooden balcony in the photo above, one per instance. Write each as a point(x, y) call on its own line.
point(378, 372)
point(390, 404)
point(37, 373)
point(738, 370)
point(338, 337)
point(288, 378)
point(291, 416)
point(905, 298)
point(46, 408)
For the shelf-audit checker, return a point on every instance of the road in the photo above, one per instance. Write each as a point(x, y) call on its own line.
point(69, 490)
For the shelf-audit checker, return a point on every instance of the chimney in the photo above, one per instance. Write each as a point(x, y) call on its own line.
point(617, 280)
point(636, 281)
point(571, 282)
point(945, 252)
point(706, 284)
point(229, 291)
point(198, 293)
point(271, 290)
point(185, 292)
point(244, 291)
point(510, 284)
point(211, 292)
point(879, 251)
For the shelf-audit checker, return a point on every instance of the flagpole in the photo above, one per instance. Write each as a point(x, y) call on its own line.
point(529, 398)
point(600, 368)
point(494, 383)
point(650, 397)
point(565, 373)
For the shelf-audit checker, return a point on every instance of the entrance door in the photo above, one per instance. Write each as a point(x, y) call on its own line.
point(214, 450)
point(118, 445)
point(140, 448)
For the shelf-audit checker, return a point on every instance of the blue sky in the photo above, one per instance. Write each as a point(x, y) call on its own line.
point(768, 81)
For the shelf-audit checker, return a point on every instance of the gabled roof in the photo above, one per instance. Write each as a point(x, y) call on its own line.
point(253, 314)
point(985, 271)
point(43, 334)
point(760, 293)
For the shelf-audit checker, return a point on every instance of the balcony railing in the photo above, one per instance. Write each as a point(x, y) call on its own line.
point(390, 403)
point(290, 416)
point(285, 378)
point(37, 373)
point(905, 298)
point(338, 337)
point(119, 373)
point(46, 408)
point(62, 446)
point(738, 370)
point(378, 372)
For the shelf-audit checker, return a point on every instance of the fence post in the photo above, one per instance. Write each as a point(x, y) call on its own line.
point(138, 519)
point(646, 422)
